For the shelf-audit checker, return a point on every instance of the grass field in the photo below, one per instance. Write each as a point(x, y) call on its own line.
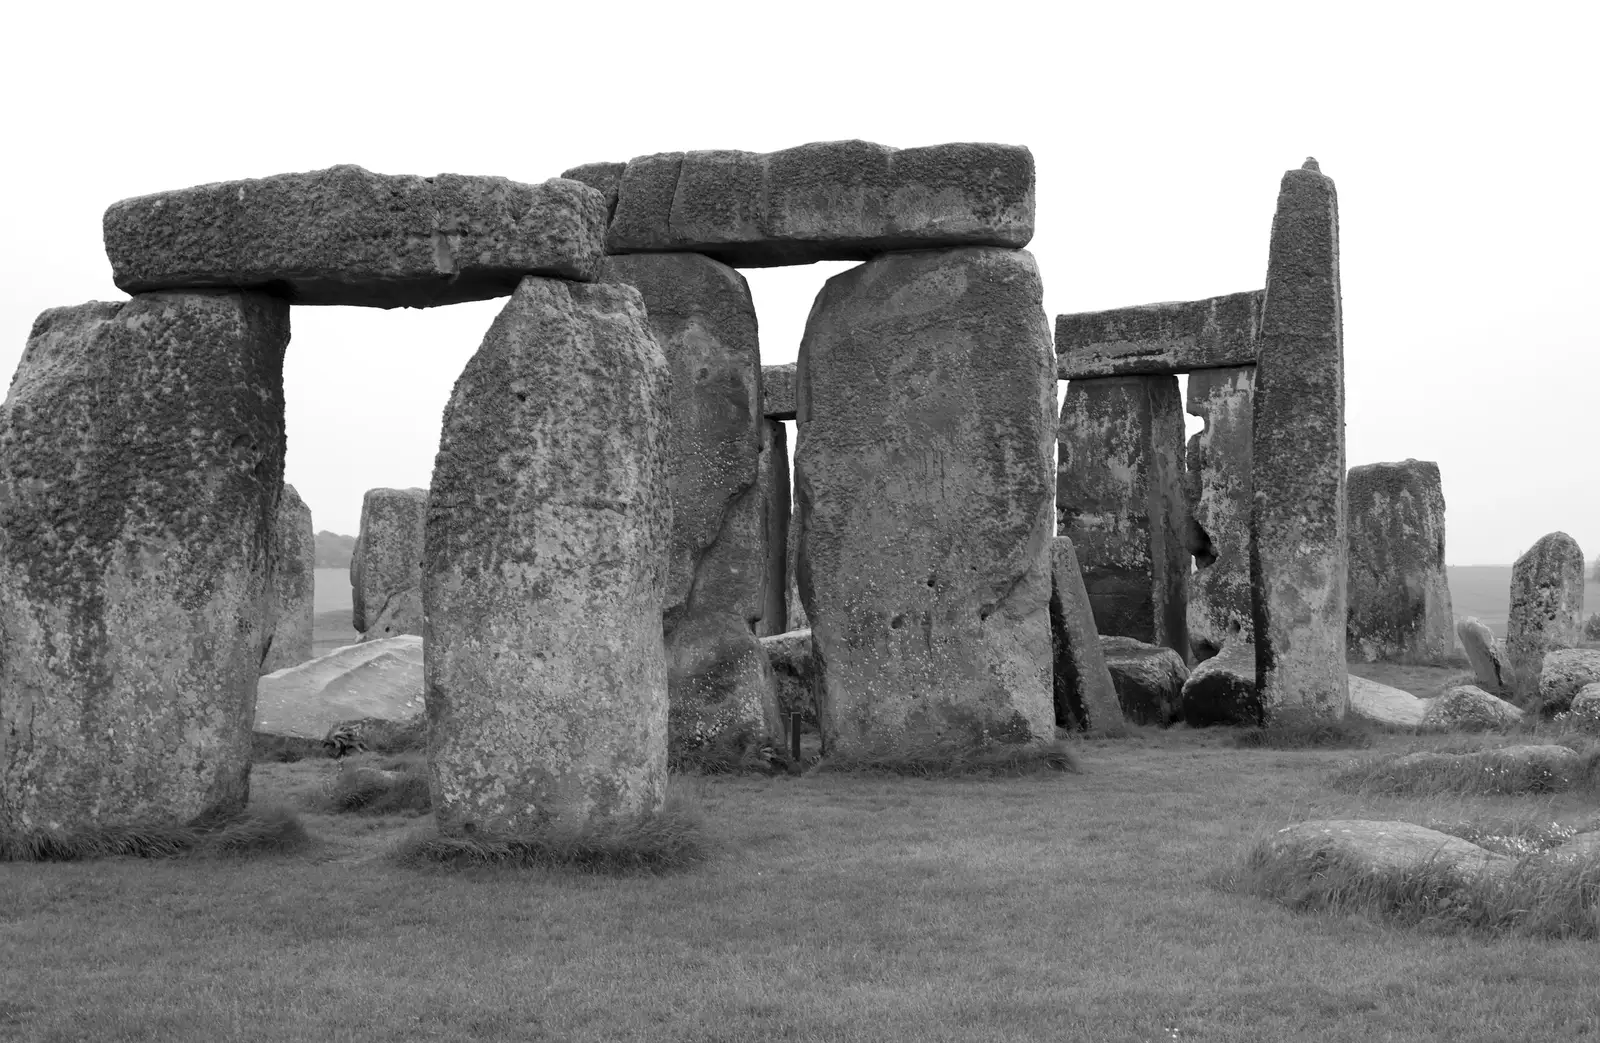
point(1054, 907)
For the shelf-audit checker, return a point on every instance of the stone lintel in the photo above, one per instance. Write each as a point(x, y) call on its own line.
point(1167, 338)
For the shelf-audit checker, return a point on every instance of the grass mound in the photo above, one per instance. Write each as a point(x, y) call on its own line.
point(1485, 773)
point(996, 759)
point(1307, 734)
point(256, 831)
point(674, 838)
point(395, 787)
point(1509, 836)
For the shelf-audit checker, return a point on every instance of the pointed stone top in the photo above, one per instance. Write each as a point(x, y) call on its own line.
point(1311, 164)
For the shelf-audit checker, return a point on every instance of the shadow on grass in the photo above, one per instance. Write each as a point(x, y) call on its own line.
point(395, 787)
point(1009, 760)
point(673, 839)
point(1484, 772)
point(256, 831)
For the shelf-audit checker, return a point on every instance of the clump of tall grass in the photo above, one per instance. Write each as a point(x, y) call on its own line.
point(394, 787)
point(672, 839)
point(1509, 836)
point(1481, 773)
point(948, 759)
point(694, 749)
point(255, 831)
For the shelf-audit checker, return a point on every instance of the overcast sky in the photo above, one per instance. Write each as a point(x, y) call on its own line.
point(1463, 144)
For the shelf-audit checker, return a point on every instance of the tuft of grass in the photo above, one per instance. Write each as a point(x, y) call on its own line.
point(670, 840)
point(1307, 733)
point(255, 831)
point(1509, 836)
point(1430, 774)
point(283, 749)
point(1009, 760)
point(730, 751)
point(394, 787)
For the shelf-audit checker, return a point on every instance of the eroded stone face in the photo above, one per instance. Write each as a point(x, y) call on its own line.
point(1220, 490)
point(141, 454)
point(775, 480)
point(1168, 338)
point(348, 236)
point(386, 568)
point(1546, 609)
point(1085, 695)
point(1398, 597)
point(1490, 667)
point(293, 584)
point(548, 531)
point(926, 408)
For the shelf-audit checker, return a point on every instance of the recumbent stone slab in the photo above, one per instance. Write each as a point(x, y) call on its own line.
point(386, 567)
point(141, 455)
point(926, 409)
point(826, 201)
point(294, 562)
point(1546, 609)
point(1220, 492)
point(549, 523)
point(1149, 679)
point(1168, 338)
point(1398, 605)
point(345, 235)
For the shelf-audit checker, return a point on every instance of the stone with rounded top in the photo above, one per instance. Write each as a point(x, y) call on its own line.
point(1398, 606)
point(1546, 609)
point(1490, 668)
point(1311, 164)
point(1467, 707)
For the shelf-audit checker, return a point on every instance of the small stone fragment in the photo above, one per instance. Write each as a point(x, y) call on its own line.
point(294, 557)
point(1488, 658)
point(1222, 689)
point(1565, 672)
point(386, 568)
point(1546, 609)
point(1149, 679)
point(1398, 606)
point(1469, 708)
point(1085, 695)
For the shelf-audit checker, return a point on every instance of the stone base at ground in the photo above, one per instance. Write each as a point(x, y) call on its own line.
point(1149, 679)
point(1362, 846)
point(371, 679)
point(1222, 690)
point(1469, 708)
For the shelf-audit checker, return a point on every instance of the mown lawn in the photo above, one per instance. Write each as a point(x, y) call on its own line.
point(1059, 907)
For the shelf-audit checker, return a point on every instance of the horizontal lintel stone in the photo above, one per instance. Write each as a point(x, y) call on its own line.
point(1168, 338)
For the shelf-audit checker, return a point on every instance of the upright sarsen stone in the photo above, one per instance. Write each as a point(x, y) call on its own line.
point(545, 566)
point(386, 567)
point(1220, 491)
point(775, 480)
point(294, 562)
point(1297, 524)
point(926, 409)
point(1399, 599)
point(1085, 694)
point(141, 454)
point(1546, 609)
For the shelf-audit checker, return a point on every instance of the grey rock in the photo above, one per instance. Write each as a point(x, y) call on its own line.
point(1489, 663)
point(1398, 599)
point(386, 568)
point(720, 683)
point(1565, 673)
point(1219, 496)
point(777, 391)
point(1546, 609)
point(1469, 708)
point(793, 662)
point(605, 178)
point(777, 510)
point(1584, 713)
point(1385, 704)
point(373, 679)
point(1085, 695)
point(1159, 339)
point(294, 557)
point(1375, 848)
point(1222, 689)
point(1149, 679)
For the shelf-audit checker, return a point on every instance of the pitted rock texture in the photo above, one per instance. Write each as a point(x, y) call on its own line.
point(1160, 339)
point(605, 178)
point(777, 391)
point(1585, 708)
point(549, 524)
point(1490, 665)
point(926, 409)
point(1385, 704)
point(373, 679)
point(774, 473)
point(294, 562)
point(1120, 497)
point(1298, 519)
point(1085, 695)
point(1546, 609)
point(794, 668)
point(386, 568)
point(719, 682)
point(826, 201)
point(141, 454)
point(1149, 679)
point(1565, 673)
point(1469, 708)
point(1219, 494)
point(345, 235)
point(1222, 690)
point(1398, 606)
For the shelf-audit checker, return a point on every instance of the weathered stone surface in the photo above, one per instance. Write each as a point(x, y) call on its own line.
point(1298, 519)
point(1565, 672)
point(1488, 658)
point(141, 454)
point(777, 391)
point(1149, 679)
point(1159, 339)
point(1120, 497)
point(381, 678)
point(294, 558)
point(719, 681)
point(794, 667)
point(1222, 689)
point(796, 614)
point(1546, 609)
point(1398, 600)
point(826, 201)
point(386, 568)
point(1085, 695)
point(348, 236)
point(1469, 708)
point(1584, 713)
point(1384, 704)
point(774, 474)
point(549, 526)
point(605, 178)
point(926, 406)
point(1219, 494)
point(1375, 847)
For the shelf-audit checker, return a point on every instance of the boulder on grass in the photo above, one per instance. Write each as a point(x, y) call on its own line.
point(1584, 713)
point(1468, 708)
point(1222, 690)
point(1149, 679)
point(1363, 847)
point(372, 679)
point(1565, 672)
point(1383, 704)
point(1487, 655)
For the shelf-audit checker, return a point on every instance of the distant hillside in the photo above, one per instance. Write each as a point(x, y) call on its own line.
point(333, 550)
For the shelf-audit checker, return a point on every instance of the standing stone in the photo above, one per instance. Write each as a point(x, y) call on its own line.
point(704, 320)
point(1085, 695)
point(1220, 491)
point(386, 568)
point(796, 615)
point(1399, 599)
point(926, 407)
point(141, 454)
point(294, 563)
point(1490, 667)
point(1546, 609)
point(1298, 519)
point(1120, 498)
point(775, 480)
point(549, 520)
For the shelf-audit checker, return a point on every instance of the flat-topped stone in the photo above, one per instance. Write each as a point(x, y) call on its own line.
point(1167, 338)
point(777, 391)
point(826, 201)
point(345, 235)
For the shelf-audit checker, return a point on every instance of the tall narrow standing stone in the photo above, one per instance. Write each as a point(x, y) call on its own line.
point(926, 408)
point(1546, 608)
point(1120, 499)
point(294, 561)
point(386, 568)
point(1399, 599)
point(1219, 508)
point(775, 480)
point(1297, 522)
point(1086, 696)
point(548, 527)
point(141, 453)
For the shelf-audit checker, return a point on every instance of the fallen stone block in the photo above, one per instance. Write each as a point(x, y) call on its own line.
point(1366, 847)
point(1222, 689)
point(1148, 678)
point(794, 669)
point(1169, 338)
point(1469, 708)
point(377, 679)
point(1384, 704)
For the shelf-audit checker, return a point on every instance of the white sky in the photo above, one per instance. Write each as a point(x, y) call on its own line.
point(1464, 146)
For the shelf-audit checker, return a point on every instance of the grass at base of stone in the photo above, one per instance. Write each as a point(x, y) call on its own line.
point(284, 749)
point(256, 831)
point(391, 787)
point(1444, 776)
point(1304, 734)
point(670, 840)
point(732, 751)
point(1009, 760)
